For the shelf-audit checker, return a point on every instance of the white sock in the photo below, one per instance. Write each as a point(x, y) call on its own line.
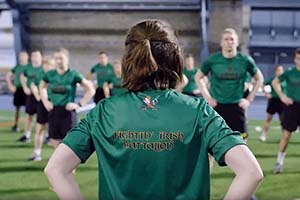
point(28, 134)
point(280, 157)
point(37, 152)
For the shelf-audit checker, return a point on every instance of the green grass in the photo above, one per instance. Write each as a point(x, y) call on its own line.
point(21, 179)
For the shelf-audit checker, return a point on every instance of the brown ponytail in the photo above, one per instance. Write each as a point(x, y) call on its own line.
point(152, 57)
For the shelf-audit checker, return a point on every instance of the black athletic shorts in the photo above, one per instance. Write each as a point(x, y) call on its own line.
point(275, 105)
point(31, 105)
point(19, 97)
point(234, 116)
point(99, 95)
point(291, 117)
point(42, 113)
point(60, 122)
point(192, 94)
point(246, 93)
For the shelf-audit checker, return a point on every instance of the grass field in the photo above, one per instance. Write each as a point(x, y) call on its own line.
point(21, 179)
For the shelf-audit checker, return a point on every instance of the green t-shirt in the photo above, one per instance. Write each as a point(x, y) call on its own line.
point(292, 79)
point(191, 86)
point(228, 76)
point(145, 151)
point(273, 92)
point(62, 87)
point(103, 73)
point(17, 71)
point(33, 74)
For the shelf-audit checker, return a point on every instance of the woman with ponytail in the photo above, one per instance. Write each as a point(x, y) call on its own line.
point(151, 141)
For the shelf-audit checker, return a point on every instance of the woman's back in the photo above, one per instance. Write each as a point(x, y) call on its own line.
point(151, 145)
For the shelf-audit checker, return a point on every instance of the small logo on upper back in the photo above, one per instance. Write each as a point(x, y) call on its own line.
point(149, 103)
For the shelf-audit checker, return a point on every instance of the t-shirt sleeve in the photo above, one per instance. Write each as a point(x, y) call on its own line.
point(283, 76)
point(206, 67)
point(78, 77)
point(251, 66)
point(79, 138)
point(218, 137)
point(13, 70)
point(268, 81)
point(25, 73)
point(93, 69)
point(45, 77)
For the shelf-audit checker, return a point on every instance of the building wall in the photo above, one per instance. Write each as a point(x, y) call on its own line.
point(85, 33)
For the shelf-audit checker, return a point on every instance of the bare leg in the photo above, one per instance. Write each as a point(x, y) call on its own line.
point(285, 138)
point(17, 112)
point(266, 128)
point(55, 142)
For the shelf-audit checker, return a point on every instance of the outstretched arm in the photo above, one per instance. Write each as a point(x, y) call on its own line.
point(59, 173)
point(247, 170)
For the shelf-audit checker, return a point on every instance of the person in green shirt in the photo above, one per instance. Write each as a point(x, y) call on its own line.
point(189, 71)
point(30, 75)
point(42, 113)
point(291, 110)
point(144, 150)
point(104, 73)
point(275, 105)
point(228, 73)
point(57, 91)
point(16, 87)
point(115, 85)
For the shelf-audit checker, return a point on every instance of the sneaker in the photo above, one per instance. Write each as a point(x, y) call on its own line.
point(263, 138)
point(277, 169)
point(23, 139)
point(35, 158)
point(253, 197)
point(47, 141)
point(15, 129)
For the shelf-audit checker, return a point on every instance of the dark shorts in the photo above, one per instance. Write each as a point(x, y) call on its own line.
point(99, 95)
point(191, 94)
point(291, 117)
point(233, 115)
point(19, 97)
point(246, 93)
point(42, 113)
point(274, 106)
point(31, 105)
point(60, 122)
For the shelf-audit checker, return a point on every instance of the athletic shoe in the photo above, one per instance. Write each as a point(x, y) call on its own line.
point(263, 138)
point(35, 158)
point(253, 197)
point(277, 169)
point(47, 141)
point(15, 129)
point(23, 139)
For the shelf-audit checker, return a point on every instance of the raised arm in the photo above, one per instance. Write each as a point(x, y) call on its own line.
point(199, 78)
point(248, 173)
point(44, 95)
point(259, 79)
point(24, 85)
point(59, 173)
point(277, 87)
point(89, 91)
point(35, 91)
point(11, 86)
